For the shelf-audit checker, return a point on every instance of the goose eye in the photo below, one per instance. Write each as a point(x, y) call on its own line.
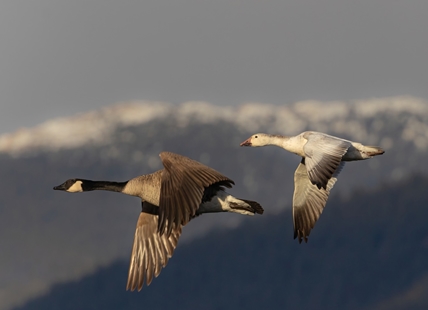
point(255, 137)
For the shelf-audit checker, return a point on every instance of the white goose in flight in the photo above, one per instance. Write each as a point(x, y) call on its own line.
point(323, 158)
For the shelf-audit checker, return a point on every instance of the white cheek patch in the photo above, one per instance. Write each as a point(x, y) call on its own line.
point(76, 187)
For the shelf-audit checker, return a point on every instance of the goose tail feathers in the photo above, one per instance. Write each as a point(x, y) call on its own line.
point(373, 150)
point(255, 207)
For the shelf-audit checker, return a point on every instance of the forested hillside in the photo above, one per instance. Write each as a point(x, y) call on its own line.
point(51, 237)
point(367, 252)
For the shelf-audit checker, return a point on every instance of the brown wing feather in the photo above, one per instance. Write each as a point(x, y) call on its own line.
point(182, 187)
point(150, 252)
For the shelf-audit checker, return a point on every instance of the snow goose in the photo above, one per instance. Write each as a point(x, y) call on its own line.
point(323, 158)
point(170, 197)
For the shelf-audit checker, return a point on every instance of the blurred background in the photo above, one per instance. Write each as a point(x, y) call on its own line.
point(97, 89)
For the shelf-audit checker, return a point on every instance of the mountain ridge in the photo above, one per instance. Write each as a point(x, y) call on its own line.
point(55, 236)
point(366, 254)
point(96, 126)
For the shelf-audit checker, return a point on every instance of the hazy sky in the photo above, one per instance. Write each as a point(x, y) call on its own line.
point(62, 57)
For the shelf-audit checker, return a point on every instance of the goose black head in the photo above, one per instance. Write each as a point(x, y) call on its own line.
point(71, 186)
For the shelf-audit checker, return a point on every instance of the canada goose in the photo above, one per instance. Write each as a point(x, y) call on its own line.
point(323, 158)
point(171, 197)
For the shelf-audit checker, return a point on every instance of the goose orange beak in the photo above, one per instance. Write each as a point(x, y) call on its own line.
point(246, 142)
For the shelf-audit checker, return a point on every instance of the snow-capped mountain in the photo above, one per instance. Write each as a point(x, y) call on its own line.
point(51, 236)
point(404, 118)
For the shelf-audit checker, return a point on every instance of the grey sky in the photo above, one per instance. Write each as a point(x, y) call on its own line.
point(62, 57)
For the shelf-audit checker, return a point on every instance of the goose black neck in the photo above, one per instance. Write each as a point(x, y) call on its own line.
point(88, 185)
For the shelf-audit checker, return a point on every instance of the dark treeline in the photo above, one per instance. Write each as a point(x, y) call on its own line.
point(366, 252)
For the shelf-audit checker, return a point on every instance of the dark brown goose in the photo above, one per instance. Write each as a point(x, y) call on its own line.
point(323, 158)
point(170, 197)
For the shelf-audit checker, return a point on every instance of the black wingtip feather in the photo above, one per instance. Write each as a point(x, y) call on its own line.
point(300, 235)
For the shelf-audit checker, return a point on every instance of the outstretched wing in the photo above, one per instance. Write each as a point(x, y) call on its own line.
point(182, 187)
point(151, 251)
point(323, 155)
point(309, 200)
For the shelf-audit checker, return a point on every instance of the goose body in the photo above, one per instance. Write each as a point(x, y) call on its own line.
point(170, 197)
point(323, 157)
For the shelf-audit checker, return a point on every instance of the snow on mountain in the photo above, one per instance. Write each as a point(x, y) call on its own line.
point(60, 252)
point(337, 117)
point(81, 129)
